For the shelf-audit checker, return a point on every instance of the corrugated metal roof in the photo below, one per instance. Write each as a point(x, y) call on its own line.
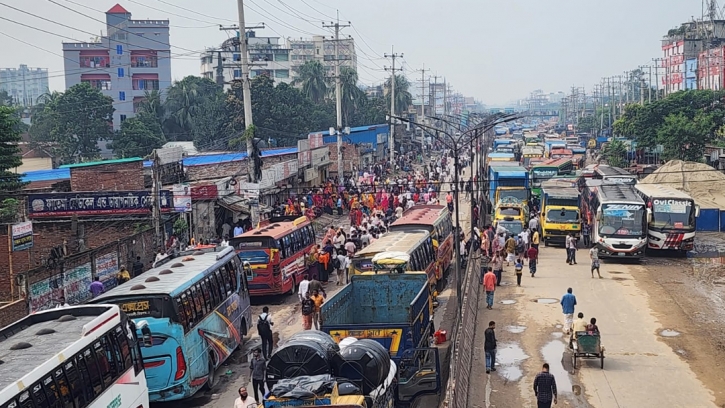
point(352, 130)
point(204, 160)
point(102, 162)
point(46, 175)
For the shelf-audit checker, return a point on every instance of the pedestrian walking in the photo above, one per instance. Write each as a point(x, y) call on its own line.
point(137, 267)
point(303, 288)
point(308, 309)
point(533, 255)
point(568, 302)
point(570, 244)
point(545, 388)
point(519, 270)
point(535, 239)
point(489, 346)
point(96, 287)
point(594, 257)
point(510, 246)
point(498, 265)
point(244, 400)
point(489, 285)
point(123, 276)
point(318, 300)
point(264, 328)
point(258, 372)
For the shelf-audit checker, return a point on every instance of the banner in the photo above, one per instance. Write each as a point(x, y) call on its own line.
point(96, 203)
point(46, 293)
point(22, 236)
point(182, 198)
point(77, 284)
point(107, 270)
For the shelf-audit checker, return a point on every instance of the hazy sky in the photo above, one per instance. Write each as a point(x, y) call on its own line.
point(495, 51)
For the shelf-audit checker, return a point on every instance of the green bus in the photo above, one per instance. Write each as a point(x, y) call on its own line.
point(549, 169)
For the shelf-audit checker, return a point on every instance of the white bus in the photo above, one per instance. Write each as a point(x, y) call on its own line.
point(72, 357)
point(618, 218)
point(673, 217)
point(614, 174)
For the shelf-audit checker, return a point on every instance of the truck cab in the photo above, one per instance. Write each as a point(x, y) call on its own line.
point(560, 212)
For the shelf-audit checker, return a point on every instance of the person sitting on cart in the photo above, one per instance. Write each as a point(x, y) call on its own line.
point(580, 325)
point(592, 326)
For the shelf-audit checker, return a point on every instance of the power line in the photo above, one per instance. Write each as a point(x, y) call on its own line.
point(141, 4)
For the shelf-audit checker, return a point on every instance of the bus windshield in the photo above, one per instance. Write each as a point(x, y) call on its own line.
point(254, 256)
point(622, 220)
point(673, 214)
point(542, 173)
point(562, 216)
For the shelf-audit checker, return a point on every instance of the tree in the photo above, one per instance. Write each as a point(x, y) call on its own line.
point(9, 150)
point(183, 100)
point(138, 137)
point(684, 138)
point(403, 98)
point(71, 123)
point(5, 99)
point(615, 152)
point(312, 77)
point(352, 96)
point(587, 124)
point(209, 127)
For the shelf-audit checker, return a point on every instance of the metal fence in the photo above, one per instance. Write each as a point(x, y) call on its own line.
point(463, 338)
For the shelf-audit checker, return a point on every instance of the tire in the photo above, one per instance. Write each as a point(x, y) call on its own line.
point(573, 361)
point(546, 243)
point(294, 287)
point(242, 333)
point(212, 380)
point(602, 358)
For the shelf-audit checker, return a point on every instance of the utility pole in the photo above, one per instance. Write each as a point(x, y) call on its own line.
point(392, 70)
point(435, 95)
point(156, 194)
point(423, 94)
point(657, 77)
point(338, 94)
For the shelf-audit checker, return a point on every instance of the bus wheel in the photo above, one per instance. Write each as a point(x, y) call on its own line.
point(294, 287)
point(242, 333)
point(211, 380)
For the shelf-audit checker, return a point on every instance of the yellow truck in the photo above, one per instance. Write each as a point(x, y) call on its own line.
point(560, 212)
point(511, 214)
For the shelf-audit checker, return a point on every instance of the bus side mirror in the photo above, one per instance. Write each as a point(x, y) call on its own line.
point(697, 211)
point(649, 216)
point(146, 337)
point(599, 215)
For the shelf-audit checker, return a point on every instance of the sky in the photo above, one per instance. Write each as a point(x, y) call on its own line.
point(495, 51)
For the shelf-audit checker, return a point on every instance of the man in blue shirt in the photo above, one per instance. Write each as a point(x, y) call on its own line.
point(568, 301)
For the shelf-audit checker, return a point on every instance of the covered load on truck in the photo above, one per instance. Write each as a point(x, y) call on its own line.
point(560, 210)
point(508, 181)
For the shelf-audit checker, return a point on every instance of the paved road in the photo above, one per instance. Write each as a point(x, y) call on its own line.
point(642, 367)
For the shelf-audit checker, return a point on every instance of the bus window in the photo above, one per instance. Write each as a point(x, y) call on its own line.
point(196, 302)
point(203, 301)
point(123, 346)
point(209, 295)
point(25, 400)
point(188, 310)
point(39, 396)
point(211, 290)
point(104, 366)
point(51, 392)
point(92, 370)
point(180, 312)
point(232, 274)
point(63, 386)
point(217, 285)
point(81, 388)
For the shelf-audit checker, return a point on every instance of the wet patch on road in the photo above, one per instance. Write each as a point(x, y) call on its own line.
point(509, 359)
point(669, 333)
point(615, 272)
point(515, 329)
point(619, 279)
point(546, 301)
point(553, 353)
point(557, 335)
point(507, 302)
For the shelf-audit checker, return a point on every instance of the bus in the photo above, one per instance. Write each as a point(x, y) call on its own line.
point(548, 169)
point(437, 220)
point(276, 254)
point(674, 215)
point(417, 244)
point(618, 217)
point(197, 308)
point(614, 174)
point(77, 356)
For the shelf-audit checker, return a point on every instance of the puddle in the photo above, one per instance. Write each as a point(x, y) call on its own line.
point(619, 279)
point(553, 353)
point(507, 302)
point(669, 333)
point(547, 301)
point(515, 329)
point(508, 359)
point(557, 335)
point(558, 326)
point(615, 272)
point(504, 283)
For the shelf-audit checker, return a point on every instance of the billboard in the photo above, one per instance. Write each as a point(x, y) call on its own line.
point(95, 203)
point(22, 236)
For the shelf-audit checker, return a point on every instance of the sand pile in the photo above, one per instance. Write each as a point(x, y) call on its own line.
point(703, 183)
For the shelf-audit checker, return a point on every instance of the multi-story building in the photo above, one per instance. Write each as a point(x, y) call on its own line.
point(132, 58)
point(24, 84)
point(266, 56)
point(684, 43)
point(322, 49)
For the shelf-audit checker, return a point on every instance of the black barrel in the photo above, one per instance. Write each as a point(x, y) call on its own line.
point(306, 353)
point(367, 363)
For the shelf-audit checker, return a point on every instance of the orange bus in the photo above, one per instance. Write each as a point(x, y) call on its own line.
point(437, 221)
point(276, 253)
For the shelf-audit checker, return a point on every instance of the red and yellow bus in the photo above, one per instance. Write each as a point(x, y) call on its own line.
point(276, 253)
point(437, 221)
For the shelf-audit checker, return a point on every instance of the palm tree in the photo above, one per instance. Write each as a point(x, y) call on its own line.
point(351, 95)
point(180, 103)
point(311, 76)
point(403, 98)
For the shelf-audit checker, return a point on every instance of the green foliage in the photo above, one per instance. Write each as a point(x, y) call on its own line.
point(615, 152)
point(683, 122)
point(587, 124)
point(180, 226)
point(138, 137)
point(313, 80)
point(9, 150)
point(70, 124)
point(9, 209)
point(403, 98)
point(190, 100)
point(5, 99)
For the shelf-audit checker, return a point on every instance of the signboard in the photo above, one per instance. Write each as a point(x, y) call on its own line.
point(100, 203)
point(205, 192)
point(169, 154)
point(77, 283)
point(107, 270)
point(22, 236)
point(182, 197)
point(671, 206)
point(249, 191)
point(46, 293)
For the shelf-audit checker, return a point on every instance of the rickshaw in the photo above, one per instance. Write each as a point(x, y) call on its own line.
point(587, 345)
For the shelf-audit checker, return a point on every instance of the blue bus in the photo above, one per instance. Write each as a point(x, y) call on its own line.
point(198, 311)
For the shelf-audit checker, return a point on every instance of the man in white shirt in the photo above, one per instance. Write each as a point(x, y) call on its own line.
point(524, 237)
point(244, 400)
point(304, 287)
point(224, 243)
point(398, 212)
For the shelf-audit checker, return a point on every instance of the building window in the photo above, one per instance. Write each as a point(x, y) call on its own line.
point(144, 61)
point(281, 57)
point(237, 73)
point(94, 62)
point(121, 95)
point(237, 57)
point(119, 49)
point(121, 72)
point(145, 84)
point(281, 73)
point(295, 57)
point(123, 118)
point(100, 84)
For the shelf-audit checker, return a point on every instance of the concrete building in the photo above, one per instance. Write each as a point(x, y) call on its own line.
point(687, 42)
point(266, 54)
point(133, 57)
point(322, 49)
point(24, 84)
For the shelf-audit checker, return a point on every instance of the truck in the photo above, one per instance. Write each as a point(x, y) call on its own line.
point(560, 211)
point(508, 181)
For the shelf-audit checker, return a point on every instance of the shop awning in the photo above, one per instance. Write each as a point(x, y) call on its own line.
point(239, 204)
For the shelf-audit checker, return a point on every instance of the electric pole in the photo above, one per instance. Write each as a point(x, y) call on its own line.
point(435, 95)
point(338, 94)
point(392, 70)
point(423, 94)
